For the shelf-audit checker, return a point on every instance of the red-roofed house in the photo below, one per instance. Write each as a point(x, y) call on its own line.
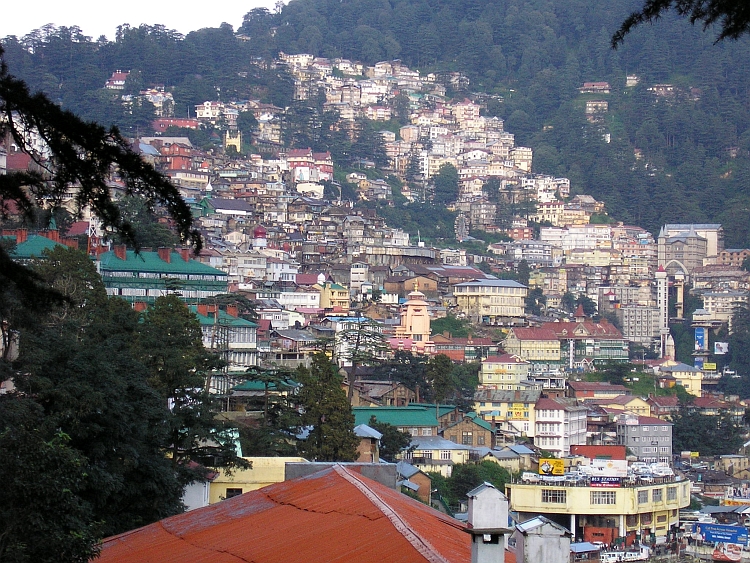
point(595, 390)
point(593, 342)
point(663, 406)
point(333, 515)
point(535, 345)
point(117, 80)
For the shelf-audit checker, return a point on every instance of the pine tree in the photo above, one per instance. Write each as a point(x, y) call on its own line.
point(327, 413)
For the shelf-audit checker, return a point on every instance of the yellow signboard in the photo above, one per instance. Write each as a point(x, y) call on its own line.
point(694, 454)
point(709, 366)
point(551, 467)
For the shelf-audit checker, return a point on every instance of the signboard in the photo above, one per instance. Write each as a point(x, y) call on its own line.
point(721, 348)
point(609, 467)
point(709, 366)
point(728, 540)
point(601, 481)
point(699, 362)
point(700, 339)
point(551, 467)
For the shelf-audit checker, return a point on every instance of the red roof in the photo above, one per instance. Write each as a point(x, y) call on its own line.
point(602, 329)
point(334, 515)
point(534, 333)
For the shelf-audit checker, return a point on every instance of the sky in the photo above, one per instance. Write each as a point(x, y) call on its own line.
point(102, 18)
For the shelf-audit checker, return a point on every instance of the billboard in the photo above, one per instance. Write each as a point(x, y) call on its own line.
point(721, 348)
point(700, 339)
point(609, 467)
point(728, 540)
point(709, 366)
point(602, 481)
point(551, 467)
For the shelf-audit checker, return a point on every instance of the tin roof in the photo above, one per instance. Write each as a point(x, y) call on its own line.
point(333, 515)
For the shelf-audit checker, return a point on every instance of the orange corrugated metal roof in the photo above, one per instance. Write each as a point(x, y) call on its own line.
point(334, 516)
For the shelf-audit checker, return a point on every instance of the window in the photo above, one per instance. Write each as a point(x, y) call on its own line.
point(642, 497)
point(671, 493)
point(467, 438)
point(645, 429)
point(657, 495)
point(480, 440)
point(233, 493)
point(603, 497)
point(664, 428)
point(554, 496)
point(426, 431)
point(662, 518)
point(454, 438)
point(445, 454)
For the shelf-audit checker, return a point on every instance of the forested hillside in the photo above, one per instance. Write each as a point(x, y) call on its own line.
point(527, 58)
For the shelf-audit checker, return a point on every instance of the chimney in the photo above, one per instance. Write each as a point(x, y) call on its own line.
point(488, 524)
point(140, 306)
point(22, 235)
point(70, 242)
point(213, 308)
point(185, 253)
point(53, 235)
point(232, 311)
point(203, 310)
point(121, 251)
point(165, 253)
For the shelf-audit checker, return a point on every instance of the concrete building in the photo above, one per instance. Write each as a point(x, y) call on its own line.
point(650, 439)
point(611, 515)
point(559, 424)
point(492, 301)
point(505, 370)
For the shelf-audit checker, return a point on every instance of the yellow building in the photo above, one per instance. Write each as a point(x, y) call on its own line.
point(264, 471)
point(511, 411)
point(689, 377)
point(536, 345)
point(493, 301)
point(502, 371)
point(611, 513)
point(630, 403)
point(333, 296)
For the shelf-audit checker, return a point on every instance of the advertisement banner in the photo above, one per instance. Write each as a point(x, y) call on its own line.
point(551, 467)
point(601, 481)
point(699, 362)
point(721, 348)
point(700, 339)
point(609, 467)
point(728, 540)
point(709, 366)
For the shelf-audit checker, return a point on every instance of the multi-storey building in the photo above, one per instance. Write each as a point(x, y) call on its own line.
point(147, 275)
point(540, 346)
point(560, 423)
point(495, 302)
point(650, 439)
point(503, 372)
point(615, 512)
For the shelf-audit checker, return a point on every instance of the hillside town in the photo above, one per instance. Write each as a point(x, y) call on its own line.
point(567, 320)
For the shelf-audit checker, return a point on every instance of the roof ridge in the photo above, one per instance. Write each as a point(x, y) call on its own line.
point(419, 543)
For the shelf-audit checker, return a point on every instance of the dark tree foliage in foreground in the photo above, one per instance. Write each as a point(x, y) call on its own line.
point(80, 155)
point(733, 16)
point(698, 432)
point(393, 441)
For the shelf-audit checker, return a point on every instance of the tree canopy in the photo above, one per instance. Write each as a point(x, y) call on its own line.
point(733, 16)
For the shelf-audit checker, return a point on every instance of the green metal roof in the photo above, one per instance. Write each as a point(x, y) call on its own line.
point(33, 247)
point(149, 261)
point(442, 409)
point(260, 386)
point(397, 416)
point(223, 320)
